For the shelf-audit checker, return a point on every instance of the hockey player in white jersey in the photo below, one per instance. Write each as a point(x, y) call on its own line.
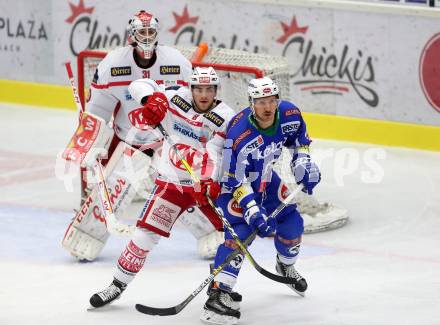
point(111, 103)
point(196, 123)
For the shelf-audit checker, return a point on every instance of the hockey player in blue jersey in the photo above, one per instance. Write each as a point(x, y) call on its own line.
point(251, 190)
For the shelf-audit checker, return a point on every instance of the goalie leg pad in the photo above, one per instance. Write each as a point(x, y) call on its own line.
point(81, 245)
point(208, 238)
point(207, 245)
point(87, 233)
point(320, 216)
point(124, 173)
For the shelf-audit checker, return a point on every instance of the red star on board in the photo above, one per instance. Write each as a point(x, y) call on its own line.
point(290, 30)
point(183, 19)
point(78, 10)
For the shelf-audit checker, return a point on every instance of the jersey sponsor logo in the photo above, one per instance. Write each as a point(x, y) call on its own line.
point(237, 261)
point(186, 131)
point(132, 259)
point(236, 119)
point(271, 150)
point(181, 103)
point(290, 112)
point(294, 250)
point(199, 161)
point(170, 69)
point(214, 118)
point(290, 127)
point(120, 71)
point(240, 138)
point(204, 80)
point(283, 192)
point(254, 144)
point(266, 90)
point(163, 214)
point(234, 208)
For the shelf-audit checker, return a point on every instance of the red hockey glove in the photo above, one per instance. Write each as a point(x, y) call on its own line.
point(155, 108)
point(152, 113)
point(207, 188)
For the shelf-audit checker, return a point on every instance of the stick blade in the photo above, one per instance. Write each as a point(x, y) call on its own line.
point(156, 311)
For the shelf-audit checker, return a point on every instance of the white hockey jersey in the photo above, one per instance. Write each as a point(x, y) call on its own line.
point(109, 90)
point(199, 137)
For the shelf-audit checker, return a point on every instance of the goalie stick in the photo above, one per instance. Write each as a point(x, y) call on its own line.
point(261, 270)
point(113, 225)
point(169, 311)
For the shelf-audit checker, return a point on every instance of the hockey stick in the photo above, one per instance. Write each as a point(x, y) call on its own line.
point(261, 270)
point(113, 225)
point(178, 308)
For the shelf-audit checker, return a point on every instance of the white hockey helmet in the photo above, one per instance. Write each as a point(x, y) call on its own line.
point(204, 77)
point(262, 87)
point(142, 32)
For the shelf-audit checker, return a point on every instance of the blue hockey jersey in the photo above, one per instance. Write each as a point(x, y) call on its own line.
point(250, 152)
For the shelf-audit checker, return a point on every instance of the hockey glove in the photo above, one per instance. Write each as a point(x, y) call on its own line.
point(152, 113)
point(256, 218)
point(305, 172)
point(207, 188)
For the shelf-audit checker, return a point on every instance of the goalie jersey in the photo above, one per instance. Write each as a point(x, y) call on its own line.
point(251, 152)
point(109, 96)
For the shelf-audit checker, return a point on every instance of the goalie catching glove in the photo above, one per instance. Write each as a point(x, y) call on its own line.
point(306, 172)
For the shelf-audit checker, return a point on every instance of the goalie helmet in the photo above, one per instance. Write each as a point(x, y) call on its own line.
point(204, 77)
point(142, 33)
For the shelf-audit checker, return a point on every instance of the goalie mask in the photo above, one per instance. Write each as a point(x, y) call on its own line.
point(142, 33)
point(259, 88)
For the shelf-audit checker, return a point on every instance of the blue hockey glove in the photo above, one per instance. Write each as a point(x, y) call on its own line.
point(256, 218)
point(305, 172)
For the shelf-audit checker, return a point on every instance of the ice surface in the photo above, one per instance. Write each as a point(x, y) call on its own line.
point(382, 268)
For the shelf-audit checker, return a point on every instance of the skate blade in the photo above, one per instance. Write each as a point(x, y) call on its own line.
point(209, 317)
